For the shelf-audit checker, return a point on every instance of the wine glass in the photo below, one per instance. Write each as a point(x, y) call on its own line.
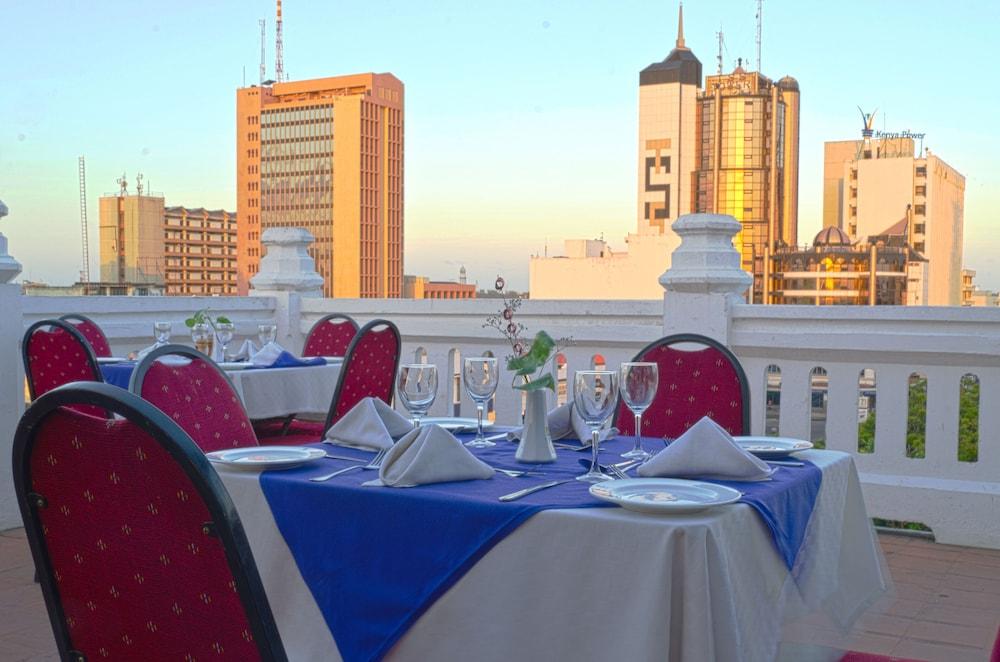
point(266, 333)
point(224, 332)
point(480, 376)
point(417, 387)
point(161, 331)
point(595, 394)
point(638, 387)
point(201, 334)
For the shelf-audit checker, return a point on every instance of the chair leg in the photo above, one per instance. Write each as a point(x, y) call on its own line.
point(287, 424)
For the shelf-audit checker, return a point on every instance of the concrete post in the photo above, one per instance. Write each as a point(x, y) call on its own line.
point(287, 273)
point(704, 280)
point(11, 398)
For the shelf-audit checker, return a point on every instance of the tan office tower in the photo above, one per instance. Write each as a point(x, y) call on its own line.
point(131, 239)
point(881, 180)
point(668, 93)
point(325, 155)
point(748, 162)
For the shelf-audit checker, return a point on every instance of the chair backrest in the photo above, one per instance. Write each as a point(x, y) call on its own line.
point(330, 336)
point(56, 353)
point(369, 368)
point(193, 391)
point(139, 551)
point(693, 382)
point(91, 331)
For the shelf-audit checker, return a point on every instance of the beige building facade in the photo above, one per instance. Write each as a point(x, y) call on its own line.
point(880, 180)
point(325, 155)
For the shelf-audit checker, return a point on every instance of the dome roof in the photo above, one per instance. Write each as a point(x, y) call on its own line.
point(789, 83)
point(832, 236)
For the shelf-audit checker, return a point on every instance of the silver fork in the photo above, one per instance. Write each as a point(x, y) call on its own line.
point(376, 462)
point(320, 479)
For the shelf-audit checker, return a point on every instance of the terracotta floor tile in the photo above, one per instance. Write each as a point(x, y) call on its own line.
point(868, 642)
point(974, 584)
point(951, 634)
point(934, 652)
point(989, 618)
point(883, 624)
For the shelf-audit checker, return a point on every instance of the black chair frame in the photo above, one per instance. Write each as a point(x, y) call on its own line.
point(350, 355)
point(679, 338)
point(225, 524)
point(68, 328)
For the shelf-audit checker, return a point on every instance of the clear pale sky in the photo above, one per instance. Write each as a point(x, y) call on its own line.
point(520, 116)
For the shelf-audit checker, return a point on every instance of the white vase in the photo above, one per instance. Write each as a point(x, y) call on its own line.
point(536, 443)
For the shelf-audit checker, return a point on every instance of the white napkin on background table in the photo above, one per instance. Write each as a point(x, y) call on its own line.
point(430, 454)
point(706, 450)
point(369, 424)
point(267, 355)
point(565, 421)
point(245, 352)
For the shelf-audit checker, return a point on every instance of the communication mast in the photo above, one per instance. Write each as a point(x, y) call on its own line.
point(718, 58)
point(263, 32)
point(760, 29)
point(85, 272)
point(279, 57)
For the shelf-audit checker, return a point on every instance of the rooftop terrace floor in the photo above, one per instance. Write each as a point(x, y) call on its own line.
point(946, 605)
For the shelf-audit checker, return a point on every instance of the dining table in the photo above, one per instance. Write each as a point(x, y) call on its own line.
point(305, 391)
point(445, 572)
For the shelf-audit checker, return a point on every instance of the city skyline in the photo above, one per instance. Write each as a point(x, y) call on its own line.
point(521, 125)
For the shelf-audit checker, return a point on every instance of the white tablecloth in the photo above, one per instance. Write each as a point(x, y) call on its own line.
point(278, 392)
point(608, 584)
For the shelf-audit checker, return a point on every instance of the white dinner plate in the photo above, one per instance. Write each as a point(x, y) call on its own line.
point(454, 424)
point(103, 360)
point(664, 496)
point(234, 365)
point(256, 458)
point(772, 448)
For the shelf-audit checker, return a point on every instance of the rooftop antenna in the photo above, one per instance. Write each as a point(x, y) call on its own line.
point(760, 29)
point(719, 56)
point(138, 184)
point(85, 239)
point(279, 56)
point(263, 34)
point(680, 26)
point(123, 184)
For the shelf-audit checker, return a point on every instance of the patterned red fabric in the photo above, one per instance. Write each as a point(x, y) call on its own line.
point(691, 385)
point(137, 577)
point(369, 371)
point(55, 358)
point(200, 400)
point(330, 337)
point(94, 335)
point(995, 657)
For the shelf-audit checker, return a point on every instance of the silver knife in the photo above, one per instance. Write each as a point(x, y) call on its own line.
point(531, 490)
point(786, 463)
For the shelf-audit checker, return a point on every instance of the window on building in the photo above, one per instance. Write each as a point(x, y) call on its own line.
point(921, 171)
point(920, 190)
point(919, 228)
point(919, 246)
point(920, 210)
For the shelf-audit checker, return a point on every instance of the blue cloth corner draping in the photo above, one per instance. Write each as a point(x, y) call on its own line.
point(118, 374)
point(376, 558)
point(288, 360)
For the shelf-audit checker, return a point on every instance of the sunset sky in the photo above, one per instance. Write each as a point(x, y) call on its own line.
point(520, 116)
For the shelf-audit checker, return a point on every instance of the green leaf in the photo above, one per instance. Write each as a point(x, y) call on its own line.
point(545, 381)
point(189, 322)
point(536, 356)
point(222, 320)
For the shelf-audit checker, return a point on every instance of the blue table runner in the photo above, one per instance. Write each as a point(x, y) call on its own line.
point(376, 558)
point(118, 374)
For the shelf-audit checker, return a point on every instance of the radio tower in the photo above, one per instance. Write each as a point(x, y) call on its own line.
point(718, 58)
point(263, 33)
point(279, 59)
point(760, 21)
point(85, 272)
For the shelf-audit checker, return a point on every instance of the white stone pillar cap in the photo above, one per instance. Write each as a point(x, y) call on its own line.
point(287, 266)
point(706, 261)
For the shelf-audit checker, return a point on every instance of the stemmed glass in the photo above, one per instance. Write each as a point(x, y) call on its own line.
point(638, 387)
point(161, 331)
point(224, 332)
point(417, 387)
point(201, 334)
point(266, 333)
point(480, 376)
point(595, 394)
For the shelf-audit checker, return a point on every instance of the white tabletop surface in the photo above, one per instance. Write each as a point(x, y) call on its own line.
point(608, 584)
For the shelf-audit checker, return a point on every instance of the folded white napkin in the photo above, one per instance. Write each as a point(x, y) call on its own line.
point(141, 354)
point(245, 352)
point(429, 455)
point(565, 421)
point(706, 450)
point(267, 355)
point(369, 424)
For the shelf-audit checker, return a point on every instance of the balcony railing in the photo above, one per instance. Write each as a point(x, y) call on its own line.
point(814, 371)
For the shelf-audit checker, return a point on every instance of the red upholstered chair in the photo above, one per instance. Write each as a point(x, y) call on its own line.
point(194, 392)
point(139, 550)
point(369, 369)
point(55, 353)
point(697, 377)
point(330, 336)
point(91, 331)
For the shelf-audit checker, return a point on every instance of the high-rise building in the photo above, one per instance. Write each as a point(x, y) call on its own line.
point(878, 180)
point(325, 155)
point(748, 135)
point(183, 251)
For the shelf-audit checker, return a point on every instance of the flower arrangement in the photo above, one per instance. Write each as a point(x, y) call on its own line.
point(527, 363)
point(202, 317)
